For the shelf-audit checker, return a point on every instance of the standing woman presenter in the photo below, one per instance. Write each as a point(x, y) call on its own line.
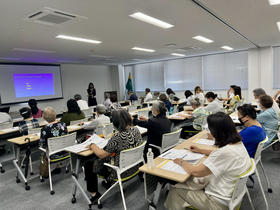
point(91, 95)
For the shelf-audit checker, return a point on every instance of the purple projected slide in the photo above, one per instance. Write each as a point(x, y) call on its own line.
point(27, 85)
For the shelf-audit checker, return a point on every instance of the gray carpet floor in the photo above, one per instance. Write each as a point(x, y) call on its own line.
point(13, 195)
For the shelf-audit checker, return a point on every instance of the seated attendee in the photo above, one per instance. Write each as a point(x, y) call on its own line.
point(115, 105)
point(81, 103)
point(148, 95)
point(158, 125)
point(165, 100)
point(188, 95)
point(54, 128)
point(171, 94)
point(198, 93)
point(268, 118)
point(74, 112)
point(5, 118)
point(214, 105)
point(253, 133)
point(230, 93)
point(100, 119)
point(198, 114)
point(156, 95)
point(132, 96)
point(212, 183)
point(107, 101)
point(258, 93)
point(127, 137)
point(28, 121)
point(35, 111)
point(234, 101)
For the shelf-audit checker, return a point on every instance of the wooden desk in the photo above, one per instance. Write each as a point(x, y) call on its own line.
point(179, 116)
point(172, 175)
point(139, 110)
point(181, 101)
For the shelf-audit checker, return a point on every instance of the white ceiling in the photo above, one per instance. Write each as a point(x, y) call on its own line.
point(109, 22)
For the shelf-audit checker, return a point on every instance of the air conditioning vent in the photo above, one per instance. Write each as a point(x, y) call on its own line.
point(51, 16)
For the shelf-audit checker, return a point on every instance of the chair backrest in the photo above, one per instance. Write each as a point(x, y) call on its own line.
point(34, 130)
point(75, 122)
point(169, 140)
point(131, 157)
point(58, 144)
point(259, 150)
point(88, 112)
point(144, 113)
point(240, 186)
point(6, 125)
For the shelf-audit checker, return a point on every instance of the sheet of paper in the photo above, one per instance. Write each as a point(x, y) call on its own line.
point(174, 153)
point(10, 129)
point(205, 142)
point(141, 129)
point(169, 165)
point(74, 127)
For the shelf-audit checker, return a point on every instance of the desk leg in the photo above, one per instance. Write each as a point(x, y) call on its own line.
point(145, 187)
point(75, 177)
point(19, 172)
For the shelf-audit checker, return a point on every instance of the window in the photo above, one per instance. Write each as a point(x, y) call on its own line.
point(149, 75)
point(183, 74)
point(222, 70)
point(276, 67)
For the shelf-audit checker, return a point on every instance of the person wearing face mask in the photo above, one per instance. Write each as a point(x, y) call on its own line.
point(234, 101)
point(253, 133)
point(258, 92)
point(268, 118)
point(214, 105)
point(158, 125)
point(230, 94)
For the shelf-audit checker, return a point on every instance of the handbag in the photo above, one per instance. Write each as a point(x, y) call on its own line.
point(44, 168)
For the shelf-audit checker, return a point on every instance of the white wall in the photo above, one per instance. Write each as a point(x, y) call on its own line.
point(75, 79)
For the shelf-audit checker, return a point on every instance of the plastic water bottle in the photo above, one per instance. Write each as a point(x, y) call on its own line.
point(150, 158)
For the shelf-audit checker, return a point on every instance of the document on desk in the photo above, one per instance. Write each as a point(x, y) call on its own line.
point(181, 153)
point(205, 142)
point(74, 127)
point(169, 165)
point(94, 139)
point(141, 129)
point(7, 130)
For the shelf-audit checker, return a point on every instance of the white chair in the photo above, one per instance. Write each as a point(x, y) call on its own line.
point(240, 188)
point(75, 122)
point(3, 126)
point(128, 159)
point(169, 140)
point(258, 160)
point(88, 112)
point(56, 145)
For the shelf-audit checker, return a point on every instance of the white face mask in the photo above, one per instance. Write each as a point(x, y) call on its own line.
point(231, 95)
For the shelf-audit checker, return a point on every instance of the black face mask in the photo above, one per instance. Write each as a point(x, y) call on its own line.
point(241, 122)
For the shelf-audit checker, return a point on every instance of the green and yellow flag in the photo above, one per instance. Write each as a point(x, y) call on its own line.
point(129, 83)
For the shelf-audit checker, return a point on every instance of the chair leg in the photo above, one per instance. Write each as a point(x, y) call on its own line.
point(107, 191)
point(121, 189)
point(249, 198)
point(50, 177)
point(264, 197)
point(145, 186)
point(31, 167)
point(269, 189)
point(157, 193)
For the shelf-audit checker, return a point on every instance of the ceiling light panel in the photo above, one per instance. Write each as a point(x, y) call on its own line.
point(203, 39)
point(143, 49)
point(78, 39)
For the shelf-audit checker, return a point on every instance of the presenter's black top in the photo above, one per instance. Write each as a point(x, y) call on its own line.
point(91, 97)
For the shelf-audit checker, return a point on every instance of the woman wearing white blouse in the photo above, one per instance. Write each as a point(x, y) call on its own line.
point(214, 180)
point(198, 93)
point(214, 105)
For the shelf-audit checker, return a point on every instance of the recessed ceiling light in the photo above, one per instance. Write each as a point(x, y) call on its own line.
point(278, 24)
point(227, 48)
point(178, 54)
point(274, 2)
point(33, 50)
point(203, 39)
point(148, 19)
point(142, 49)
point(78, 39)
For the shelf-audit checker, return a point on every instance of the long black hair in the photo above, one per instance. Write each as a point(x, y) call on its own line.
point(223, 129)
point(33, 105)
point(90, 85)
point(121, 119)
point(73, 106)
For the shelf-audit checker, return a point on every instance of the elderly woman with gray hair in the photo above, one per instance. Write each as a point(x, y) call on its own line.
point(101, 119)
point(157, 125)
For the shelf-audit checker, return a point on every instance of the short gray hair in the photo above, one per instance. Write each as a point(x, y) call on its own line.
point(107, 95)
point(259, 91)
point(49, 114)
point(100, 109)
point(160, 107)
point(195, 102)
